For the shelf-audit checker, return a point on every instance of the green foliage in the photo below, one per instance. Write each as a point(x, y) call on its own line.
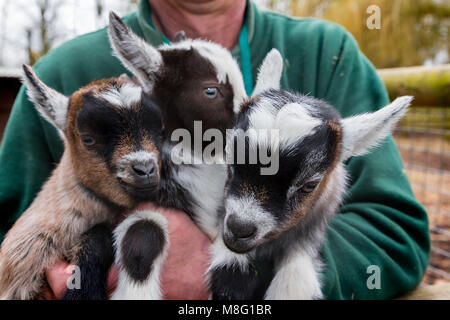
point(412, 31)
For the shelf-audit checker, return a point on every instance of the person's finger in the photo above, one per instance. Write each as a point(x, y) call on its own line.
point(48, 294)
point(57, 276)
point(113, 277)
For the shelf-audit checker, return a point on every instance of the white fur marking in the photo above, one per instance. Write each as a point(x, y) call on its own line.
point(141, 157)
point(295, 124)
point(366, 131)
point(222, 256)
point(125, 96)
point(127, 288)
point(206, 183)
point(292, 122)
point(269, 74)
point(296, 279)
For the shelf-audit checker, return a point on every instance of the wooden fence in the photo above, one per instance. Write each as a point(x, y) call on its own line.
point(423, 138)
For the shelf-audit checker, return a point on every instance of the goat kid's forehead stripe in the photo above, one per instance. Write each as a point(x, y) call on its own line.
point(125, 96)
point(140, 156)
point(292, 122)
point(295, 124)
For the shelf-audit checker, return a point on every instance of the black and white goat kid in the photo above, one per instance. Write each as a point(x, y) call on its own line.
point(283, 216)
point(191, 80)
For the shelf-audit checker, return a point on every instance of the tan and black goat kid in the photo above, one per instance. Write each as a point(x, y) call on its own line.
point(282, 217)
point(112, 137)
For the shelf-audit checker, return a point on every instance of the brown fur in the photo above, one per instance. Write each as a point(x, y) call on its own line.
point(96, 176)
point(300, 212)
point(188, 72)
point(50, 229)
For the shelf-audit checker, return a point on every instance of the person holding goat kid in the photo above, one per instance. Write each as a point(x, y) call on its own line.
point(380, 222)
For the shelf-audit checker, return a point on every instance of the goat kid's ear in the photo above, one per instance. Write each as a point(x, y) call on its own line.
point(180, 36)
point(366, 131)
point(124, 77)
point(269, 74)
point(51, 104)
point(136, 55)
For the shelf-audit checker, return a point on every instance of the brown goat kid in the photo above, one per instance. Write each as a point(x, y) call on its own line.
point(117, 155)
point(111, 133)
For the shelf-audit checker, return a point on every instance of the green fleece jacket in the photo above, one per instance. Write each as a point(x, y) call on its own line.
point(380, 223)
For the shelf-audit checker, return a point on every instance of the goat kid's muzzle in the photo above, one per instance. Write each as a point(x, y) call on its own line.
point(246, 223)
point(239, 235)
point(139, 174)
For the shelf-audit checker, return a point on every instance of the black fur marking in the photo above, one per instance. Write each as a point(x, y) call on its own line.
point(103, 122)
point(94, 261)
point(172, 194)
point(36, 84)
point(108, 124)
point(118, 24)
point(143, 242)
point(231, 283)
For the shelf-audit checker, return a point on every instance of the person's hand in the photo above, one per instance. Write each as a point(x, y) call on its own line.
point(58, 275)
point(184, 272)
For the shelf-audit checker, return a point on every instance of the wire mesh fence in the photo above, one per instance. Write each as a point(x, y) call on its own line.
point(423, 138)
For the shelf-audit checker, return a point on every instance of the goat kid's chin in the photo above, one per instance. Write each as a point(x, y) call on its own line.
point(149, 192)
point(238, 245)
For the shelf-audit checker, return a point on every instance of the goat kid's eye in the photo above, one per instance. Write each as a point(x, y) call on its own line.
point(309, 187)
point(211, 92)
point(88, 141)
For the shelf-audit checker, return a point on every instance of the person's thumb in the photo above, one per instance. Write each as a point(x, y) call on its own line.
point(57, 276)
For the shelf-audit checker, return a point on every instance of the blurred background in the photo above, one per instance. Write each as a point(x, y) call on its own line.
point(410, 48)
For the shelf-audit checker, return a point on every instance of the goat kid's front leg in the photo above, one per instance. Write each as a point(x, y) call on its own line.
point(232, 276)
point(95, 257)
point(296, 278)
point(141, 243)
point(24, 257)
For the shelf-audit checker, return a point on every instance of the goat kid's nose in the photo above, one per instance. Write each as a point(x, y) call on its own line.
point(240, 229)
point(143, 169)
point(144, 173)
